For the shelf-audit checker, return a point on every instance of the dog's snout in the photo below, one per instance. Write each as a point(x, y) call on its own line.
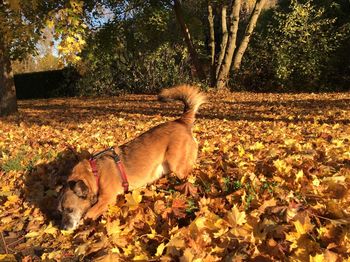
point(67, 226)
point(67, 223)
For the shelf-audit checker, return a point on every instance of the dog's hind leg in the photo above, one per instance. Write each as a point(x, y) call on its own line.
point(182, 165)
point(100, 207)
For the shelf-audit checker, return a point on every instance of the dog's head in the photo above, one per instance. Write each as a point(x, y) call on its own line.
point(75, 200)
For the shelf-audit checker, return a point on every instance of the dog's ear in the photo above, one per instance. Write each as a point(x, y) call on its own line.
point(93, 199)
point(59, 202)
point(84, 154)
point(60, 199)
point(79, 188)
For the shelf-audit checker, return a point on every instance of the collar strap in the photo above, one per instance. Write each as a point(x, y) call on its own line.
point(93, 165)
point(118, 162)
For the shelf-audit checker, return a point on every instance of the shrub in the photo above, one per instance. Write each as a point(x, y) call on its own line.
point(302, 41)
point(142, 73)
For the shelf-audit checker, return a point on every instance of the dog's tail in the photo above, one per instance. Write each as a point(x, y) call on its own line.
point(189, 95)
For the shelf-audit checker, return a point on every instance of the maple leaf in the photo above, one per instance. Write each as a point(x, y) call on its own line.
point(187, 188)
point(133, 199)
point(8, 258)
point(235, 217)
point(50, 229)
point(317, 258)
point(160, 249)
point(179, 207)
point(266, 204)
point(113, 228)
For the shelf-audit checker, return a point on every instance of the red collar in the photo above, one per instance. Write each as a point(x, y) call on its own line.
point(119, 164)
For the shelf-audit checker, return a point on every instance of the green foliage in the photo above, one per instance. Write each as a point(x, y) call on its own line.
point(299, 46)
point(136, 52)
point(123, 72)
point(14, 164)
point(19, 27)
point(256, 73)
point(302, 42)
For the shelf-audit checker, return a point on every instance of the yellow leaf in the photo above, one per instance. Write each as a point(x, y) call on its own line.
point(206, 147)
point(50, 24)
point(317, 258)
point(316, 181)
point(7, 258)
point(160, 249)
point(257, 146)
point(32, 234)
point(235, 217)
point(141, 257)
point(303, 228)
point(282, 166)
point(133, 199)
point(267, 203)
point(299, 175)
point(115, 250)
point(67, 232)
point(50, 229)
point(13, 198)
point(200, 222)
point(299, 227)
point(128, 250)
point(6, 220)
point(289, 142)
point(153, 234)
point(113, 228)
point(241, 150)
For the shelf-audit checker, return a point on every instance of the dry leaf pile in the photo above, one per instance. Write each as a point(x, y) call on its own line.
point(272, 182)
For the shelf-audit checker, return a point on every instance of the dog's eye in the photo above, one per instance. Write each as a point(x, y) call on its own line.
point(69, 210)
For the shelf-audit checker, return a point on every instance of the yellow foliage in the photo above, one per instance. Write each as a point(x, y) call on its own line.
point(275, 188)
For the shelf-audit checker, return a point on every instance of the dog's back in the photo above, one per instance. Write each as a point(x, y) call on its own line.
point(170, 144)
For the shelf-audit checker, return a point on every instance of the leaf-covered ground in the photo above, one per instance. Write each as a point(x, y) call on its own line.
point(272, 182)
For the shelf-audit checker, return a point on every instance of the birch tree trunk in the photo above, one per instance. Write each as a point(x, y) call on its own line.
point(249, 30)
point(188, 40)
point(8, 101)
point(231, 46)
point(211, 44)
point(224, 39)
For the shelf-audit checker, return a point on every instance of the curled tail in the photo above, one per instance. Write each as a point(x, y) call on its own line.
point(189, 95)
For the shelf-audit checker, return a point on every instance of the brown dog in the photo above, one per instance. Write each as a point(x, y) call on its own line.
point(168, 147)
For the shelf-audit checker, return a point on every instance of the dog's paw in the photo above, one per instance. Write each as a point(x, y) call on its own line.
point(90, 216)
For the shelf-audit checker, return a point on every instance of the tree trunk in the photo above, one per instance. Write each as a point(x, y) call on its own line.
point(231, 46)
point(224, 39)
point(249, 30)
point(8, 101)
point(211, 44)
point(187, 36)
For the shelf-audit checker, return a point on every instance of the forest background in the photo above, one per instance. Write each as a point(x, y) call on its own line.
point(108, 47)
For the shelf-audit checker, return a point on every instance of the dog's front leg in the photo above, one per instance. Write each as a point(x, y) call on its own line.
point(98, 209)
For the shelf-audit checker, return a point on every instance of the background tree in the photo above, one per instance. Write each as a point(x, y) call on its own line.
point(303, 41)
point(17, 37)
point(143, 45)
point(298, 46)
point(21, 24)
point(188, 40)
point(137, 50)
point(231, 54)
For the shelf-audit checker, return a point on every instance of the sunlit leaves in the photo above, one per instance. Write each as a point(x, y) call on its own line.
point(261, 188)
point(133, 199)
point(70, 29)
